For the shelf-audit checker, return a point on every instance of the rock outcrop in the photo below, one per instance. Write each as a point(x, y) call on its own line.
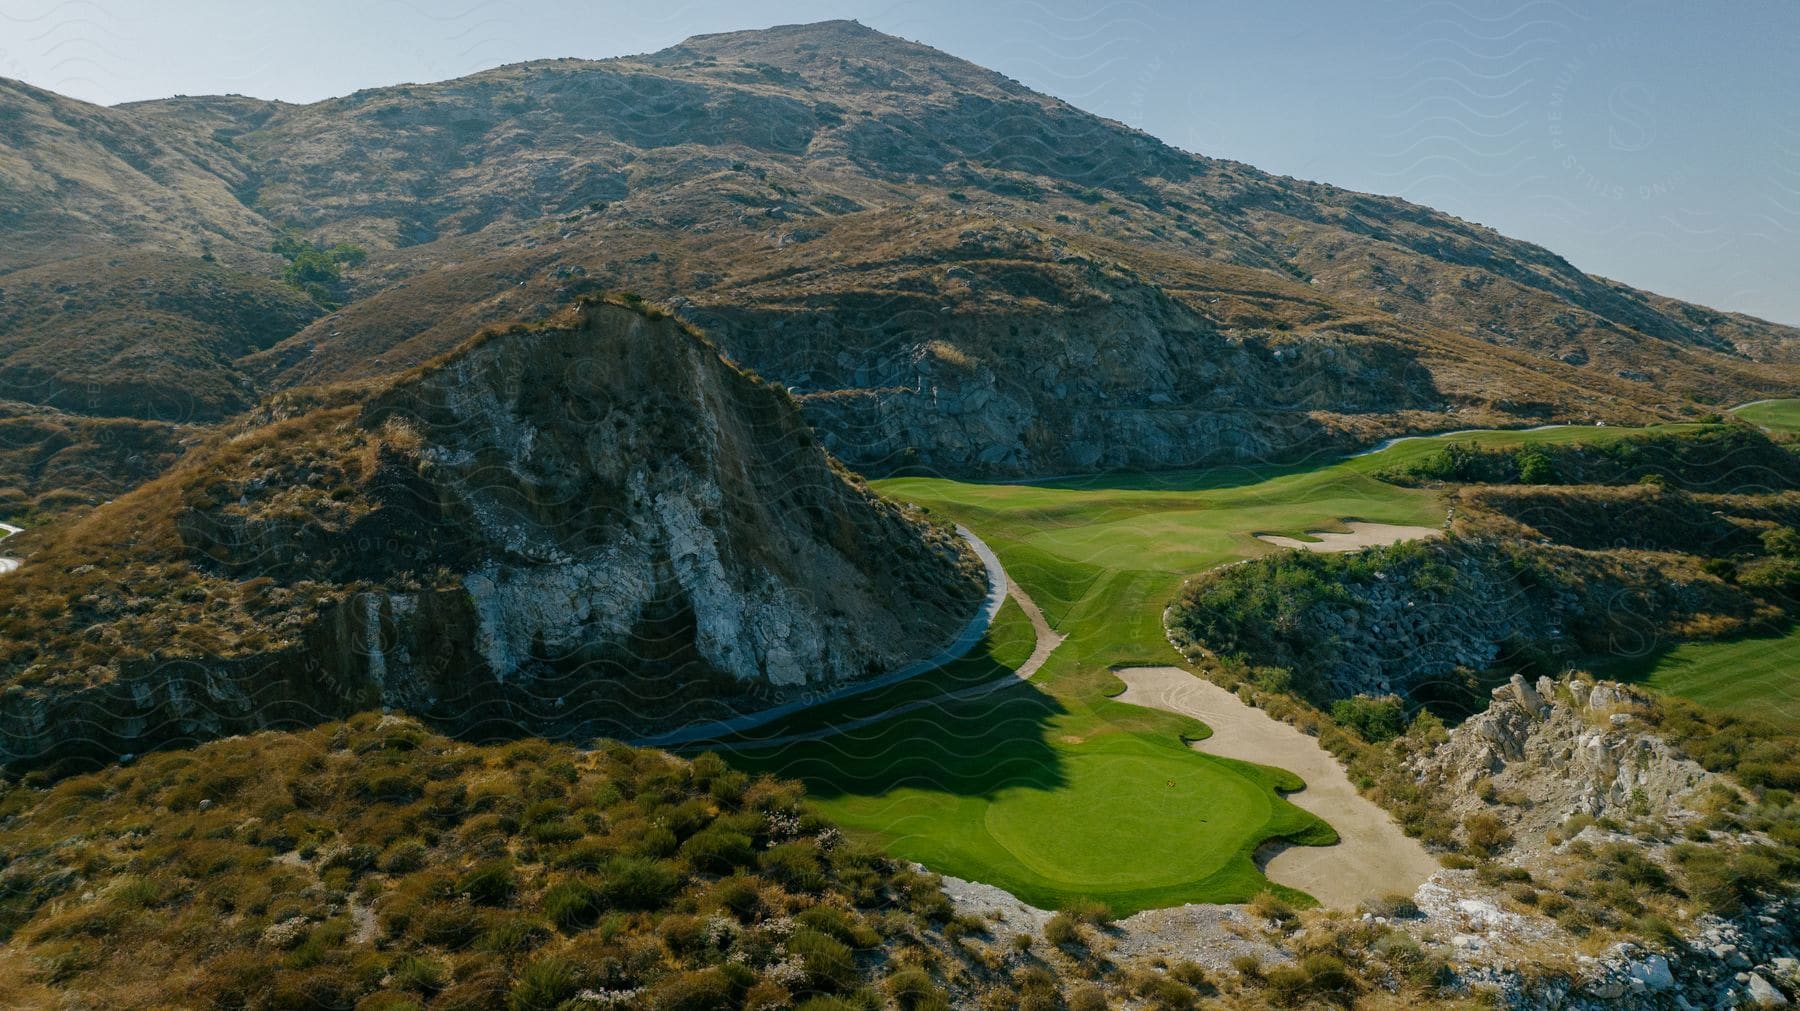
point(1105, 373)
point(595, 526)
point(1428, 619)
point(1554, 750)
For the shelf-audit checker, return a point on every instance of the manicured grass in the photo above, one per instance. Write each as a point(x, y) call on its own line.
point(1753, 677)
point(1774, 415)
point(1050, 789)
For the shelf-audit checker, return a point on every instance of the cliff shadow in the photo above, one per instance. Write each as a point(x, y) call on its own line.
point(974, 744)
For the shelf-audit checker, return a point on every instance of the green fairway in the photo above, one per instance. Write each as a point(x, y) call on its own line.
point(1050, 789)
point(1755, 677)
point(1774, 415)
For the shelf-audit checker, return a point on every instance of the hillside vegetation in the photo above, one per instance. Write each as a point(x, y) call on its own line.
point(373, 864)
point(953, 273)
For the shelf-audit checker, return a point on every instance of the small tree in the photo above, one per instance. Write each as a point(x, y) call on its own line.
point(315, 269)
point(1374, 719)
point(1535, 467)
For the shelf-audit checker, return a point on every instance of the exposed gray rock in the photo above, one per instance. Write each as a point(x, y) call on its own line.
point(1764, 993)
point(1192, 395)
point(1553, 754)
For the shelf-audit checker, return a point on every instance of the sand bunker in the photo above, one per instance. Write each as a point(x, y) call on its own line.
point(1372, 857)
point(1360, 535)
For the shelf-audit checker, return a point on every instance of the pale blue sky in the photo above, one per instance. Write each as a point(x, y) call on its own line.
point(1655, 142)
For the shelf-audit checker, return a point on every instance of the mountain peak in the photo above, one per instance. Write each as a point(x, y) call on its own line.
point(811, 32)
point(788, 44)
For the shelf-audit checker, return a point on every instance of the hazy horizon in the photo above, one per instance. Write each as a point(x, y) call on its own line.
point(1647, 142)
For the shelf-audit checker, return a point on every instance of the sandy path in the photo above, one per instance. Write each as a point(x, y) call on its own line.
point(1372, 857)
point(1361, 535)
point(1047, 638)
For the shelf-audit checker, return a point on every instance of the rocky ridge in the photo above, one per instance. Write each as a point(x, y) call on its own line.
point(1545, 753)
point(595, 526)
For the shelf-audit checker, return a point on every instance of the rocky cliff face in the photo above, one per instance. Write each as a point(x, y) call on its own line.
point(1425, 620)
point(594, 526)
point(1107, 373)
point(1561, 749)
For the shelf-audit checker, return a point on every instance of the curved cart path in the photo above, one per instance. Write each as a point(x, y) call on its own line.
point(1047, 638)
point(1372, 857)
point(1047, 641)
point(999, 586)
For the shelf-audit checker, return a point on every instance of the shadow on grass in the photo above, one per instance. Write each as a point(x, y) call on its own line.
point(976, 746)
point(1754, 674)
point(1216, 477)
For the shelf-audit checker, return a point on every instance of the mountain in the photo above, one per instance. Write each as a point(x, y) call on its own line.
point(949, 270)
point(593, 526)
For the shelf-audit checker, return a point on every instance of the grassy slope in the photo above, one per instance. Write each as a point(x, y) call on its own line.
point(1754, 677)
point(1774, 415)
point(1757, 676)
point(1050, 789)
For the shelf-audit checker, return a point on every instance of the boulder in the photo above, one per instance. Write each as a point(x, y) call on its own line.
point(1764, 993)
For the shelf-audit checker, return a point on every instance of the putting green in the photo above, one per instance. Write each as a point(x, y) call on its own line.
point(1102, 799)
point(1049, 789)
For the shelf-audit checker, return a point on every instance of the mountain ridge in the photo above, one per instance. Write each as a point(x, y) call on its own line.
point(801, 175)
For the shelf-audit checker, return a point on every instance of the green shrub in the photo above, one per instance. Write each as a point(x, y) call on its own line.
point(913, 990)
point(1165, 994)
point(1535, 466)
point(839, 924)
point(830, 966)
point(1485, 834)
point(1317, 976)
point(704, 990)
point(795, 866)
point(512, 934)
point(1783, 542)
point(404, 857)
point(418, 973)
point(1269, 906)
point(544, 984)
point(489, 884)
point(1393, 906)
point(635, 883)
point(447, 925)
point(572, 905)
point(1374, 719)
point(740, 896)
point(718, 851)
point(1087, 997)
point(1062, 929)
